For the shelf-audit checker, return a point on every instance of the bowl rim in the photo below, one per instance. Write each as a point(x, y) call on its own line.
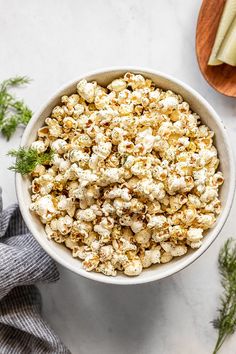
point(176, 267)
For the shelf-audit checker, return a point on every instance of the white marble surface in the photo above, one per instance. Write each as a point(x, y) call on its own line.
point(53, 41)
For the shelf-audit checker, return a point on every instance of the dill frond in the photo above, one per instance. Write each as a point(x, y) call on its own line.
point(225, 323)
point(12, 111)
point(14, 82)
point(27, 159)
point(8, 126)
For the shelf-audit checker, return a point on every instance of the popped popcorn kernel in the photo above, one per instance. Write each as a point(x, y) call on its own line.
point(134, 179)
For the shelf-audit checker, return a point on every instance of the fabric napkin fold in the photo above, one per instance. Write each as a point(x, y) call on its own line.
point(23, 263)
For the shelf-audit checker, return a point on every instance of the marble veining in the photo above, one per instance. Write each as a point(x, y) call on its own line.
point(53, 42)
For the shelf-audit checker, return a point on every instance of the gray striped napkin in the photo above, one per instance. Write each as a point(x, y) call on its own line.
point(22, 264)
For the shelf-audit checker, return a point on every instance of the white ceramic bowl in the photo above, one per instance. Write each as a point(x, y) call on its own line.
point(208, 116)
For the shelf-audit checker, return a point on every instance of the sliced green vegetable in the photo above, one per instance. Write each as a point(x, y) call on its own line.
point(227, 17)
point(227, 52)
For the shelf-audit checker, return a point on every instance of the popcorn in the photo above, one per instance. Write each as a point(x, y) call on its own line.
point(81, 252)
point(157, 221)
point(174, 251)
point(107, 269)
point(150, 257)
point(206, 221)
point(117, 85)
point(79, 156)
point(44, 207)
point(72, 244)
point(159, 173)
point(125, 245)
point(78, 110)
point(123, 193)
point(166, 257)
point(110, 175)
point(39, 145)
point(86, 177)
point(39, 171)
point(42, 184)
point(107, 208)
point(184, 140)
point(103, 231)
point(136, 225)
point(95, 245)
point(196, 244)
point(91, 241)
point(69, 123)
point(176, 202)
point(189, 215)
point(154, 95)
point(84, 141)
point(178, 251)
point(194, 234)
point(93, 161)
point(55, 130)
point(86, 90)
point(64, 224)
point(135, 81)
point(133, 267)
point(106, 253)
point(117, 135)
point(86, 215)
point(103, 149)
point(175, 184)
point(66, 204)
point(159, 236)
point(133, 180)
point(217, 179)
point(177, 232)
point(83, 228)
point(125, 146)
point(168, 104)
point(146, 138)
point(60, 163)
point(58, 112)
point(143, 236)
point(91, 261)
point(148, 189)
point(119, 260)
point(101, 100)
point(209, 195)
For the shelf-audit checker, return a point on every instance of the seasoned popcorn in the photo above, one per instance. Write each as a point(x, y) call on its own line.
point(134, 178)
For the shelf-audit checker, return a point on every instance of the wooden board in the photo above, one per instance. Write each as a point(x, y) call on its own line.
point(221, 77)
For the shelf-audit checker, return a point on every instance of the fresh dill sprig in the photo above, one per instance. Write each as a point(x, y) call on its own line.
point(14, 82)
point(27, 159)
point(13, 112)
point(225, 323)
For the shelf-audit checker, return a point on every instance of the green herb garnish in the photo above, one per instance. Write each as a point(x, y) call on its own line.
point(13, 112)
point(28, 159)
point(225, 323)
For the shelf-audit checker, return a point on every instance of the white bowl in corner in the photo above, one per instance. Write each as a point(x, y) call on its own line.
point(208, 116)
